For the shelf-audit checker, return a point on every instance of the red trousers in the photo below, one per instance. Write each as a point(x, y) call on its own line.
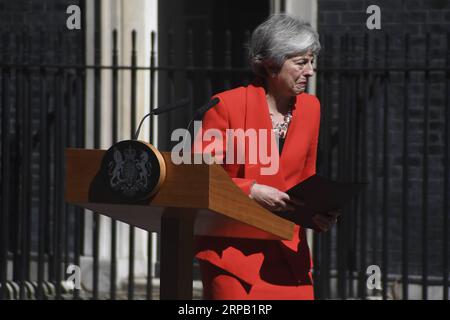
point(219, 284)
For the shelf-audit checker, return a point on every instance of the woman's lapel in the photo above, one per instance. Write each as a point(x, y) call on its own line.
point(295, 144)
point(257, 117)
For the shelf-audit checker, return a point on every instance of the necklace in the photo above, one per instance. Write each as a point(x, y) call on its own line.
point(281, 128)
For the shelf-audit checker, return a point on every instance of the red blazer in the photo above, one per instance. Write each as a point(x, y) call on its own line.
point(254, 260)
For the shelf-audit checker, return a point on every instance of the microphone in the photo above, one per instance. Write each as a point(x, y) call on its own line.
point(199, 112)
point(202, 110)
point(170, 107)
point(163, 109)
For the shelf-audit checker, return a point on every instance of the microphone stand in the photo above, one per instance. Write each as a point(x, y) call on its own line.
point(163, 109)
point(197, 114)
point(172, 106)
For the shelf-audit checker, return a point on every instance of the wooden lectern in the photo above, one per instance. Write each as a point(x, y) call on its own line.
point(195, 199)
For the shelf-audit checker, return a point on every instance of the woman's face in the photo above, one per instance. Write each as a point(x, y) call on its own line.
point(293, 76)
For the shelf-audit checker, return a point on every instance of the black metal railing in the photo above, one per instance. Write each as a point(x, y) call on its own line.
point(377, 108)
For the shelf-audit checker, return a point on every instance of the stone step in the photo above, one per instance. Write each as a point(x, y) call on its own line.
point(140, 289)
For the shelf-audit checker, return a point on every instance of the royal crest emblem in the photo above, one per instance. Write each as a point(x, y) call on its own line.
point(129, 172)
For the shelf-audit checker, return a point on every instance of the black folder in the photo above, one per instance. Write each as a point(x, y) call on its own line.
point(320, 195)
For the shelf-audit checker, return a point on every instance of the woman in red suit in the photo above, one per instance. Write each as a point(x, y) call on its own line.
point(281, 50)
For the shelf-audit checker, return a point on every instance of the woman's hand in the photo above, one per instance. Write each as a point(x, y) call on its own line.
point(323, 220)
point(276, 201)
point(271, 198)
point(326, 220)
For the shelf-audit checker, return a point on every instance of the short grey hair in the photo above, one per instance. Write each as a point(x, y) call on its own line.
point(278, 38)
